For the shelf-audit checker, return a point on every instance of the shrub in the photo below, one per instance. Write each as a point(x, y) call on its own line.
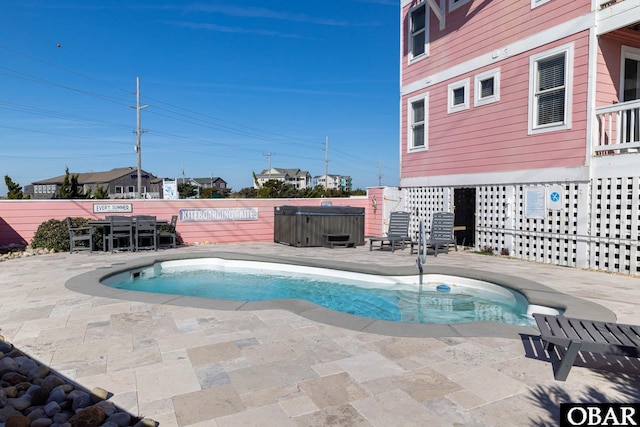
point(54, 234)
point(486, 250)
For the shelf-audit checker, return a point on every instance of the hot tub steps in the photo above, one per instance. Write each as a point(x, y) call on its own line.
point(341, 240)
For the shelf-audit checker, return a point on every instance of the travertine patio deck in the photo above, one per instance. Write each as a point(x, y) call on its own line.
point(186, 366)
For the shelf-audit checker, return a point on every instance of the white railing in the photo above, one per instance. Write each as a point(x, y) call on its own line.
point(619, 128)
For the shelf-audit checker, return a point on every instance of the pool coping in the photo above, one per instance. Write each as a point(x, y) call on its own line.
point(89, 283)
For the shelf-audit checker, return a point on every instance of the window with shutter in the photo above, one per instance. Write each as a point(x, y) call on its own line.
point(550, 90)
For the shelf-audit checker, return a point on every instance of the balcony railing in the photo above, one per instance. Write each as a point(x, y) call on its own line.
point(619, 131)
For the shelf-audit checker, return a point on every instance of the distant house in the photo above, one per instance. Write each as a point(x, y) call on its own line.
point(333, 182)
point(296, 177)
point(121, 183)
point(213, 182)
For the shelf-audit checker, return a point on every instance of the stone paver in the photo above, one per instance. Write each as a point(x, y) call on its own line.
point(192, 365)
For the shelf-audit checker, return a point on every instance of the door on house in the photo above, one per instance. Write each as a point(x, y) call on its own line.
point(464, 200)
point(631, 90)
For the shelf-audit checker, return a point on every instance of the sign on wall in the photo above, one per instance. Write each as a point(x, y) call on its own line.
point(534, 202)
point(554, 197)
point(221, 214)
point(113, 208)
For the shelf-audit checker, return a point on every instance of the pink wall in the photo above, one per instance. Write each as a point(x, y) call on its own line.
point(374, 212)
point(19, 219)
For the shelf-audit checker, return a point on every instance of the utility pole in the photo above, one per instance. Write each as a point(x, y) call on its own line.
point(379, 173)
point(326, 163)
point(268, 155)
point(139, 133)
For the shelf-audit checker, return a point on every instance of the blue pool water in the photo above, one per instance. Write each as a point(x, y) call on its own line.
point(392, 299)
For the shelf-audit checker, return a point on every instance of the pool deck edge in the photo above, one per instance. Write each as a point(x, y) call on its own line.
point(90, 283)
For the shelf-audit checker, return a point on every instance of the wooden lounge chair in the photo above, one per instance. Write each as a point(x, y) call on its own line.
point(398, 233)
point(440, 235)
point(573, 335)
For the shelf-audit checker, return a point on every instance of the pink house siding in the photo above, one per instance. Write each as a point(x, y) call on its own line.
point(608, 64)
point(374, 212)
point(493, 137)
point(608, 67)
point(19, 219)
point(480, 26)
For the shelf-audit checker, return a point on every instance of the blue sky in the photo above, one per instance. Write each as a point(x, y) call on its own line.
point(226, 83)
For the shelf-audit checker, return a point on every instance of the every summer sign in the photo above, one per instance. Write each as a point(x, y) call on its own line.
point(113, 208)
point(219, 214)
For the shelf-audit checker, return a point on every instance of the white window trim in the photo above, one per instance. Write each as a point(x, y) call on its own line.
point(453, 4)
point(410, 146)
point(626, 52)
point(479, 78)
point(119, 189)
point(568, 82)
point(536, 3)
point(410, 56)
point(457, 85)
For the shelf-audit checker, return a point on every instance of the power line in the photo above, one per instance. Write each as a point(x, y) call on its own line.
point(40, 80)
point(65, 135)
point(51, 64)
point(57, 114)
point(192, 117)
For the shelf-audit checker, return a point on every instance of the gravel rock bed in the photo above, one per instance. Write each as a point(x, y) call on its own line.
point(31, 395)
point(13, 251)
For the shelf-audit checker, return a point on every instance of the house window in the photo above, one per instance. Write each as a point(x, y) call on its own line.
point(487, 87)
point(119, 189)
point(454, 4)
point(131, 189)
point(536, 3)
point(418, 32)
point(550, 90)
point(458, 98)
point(417, 121)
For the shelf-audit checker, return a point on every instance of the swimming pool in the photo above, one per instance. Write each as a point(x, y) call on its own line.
point(432, 299)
